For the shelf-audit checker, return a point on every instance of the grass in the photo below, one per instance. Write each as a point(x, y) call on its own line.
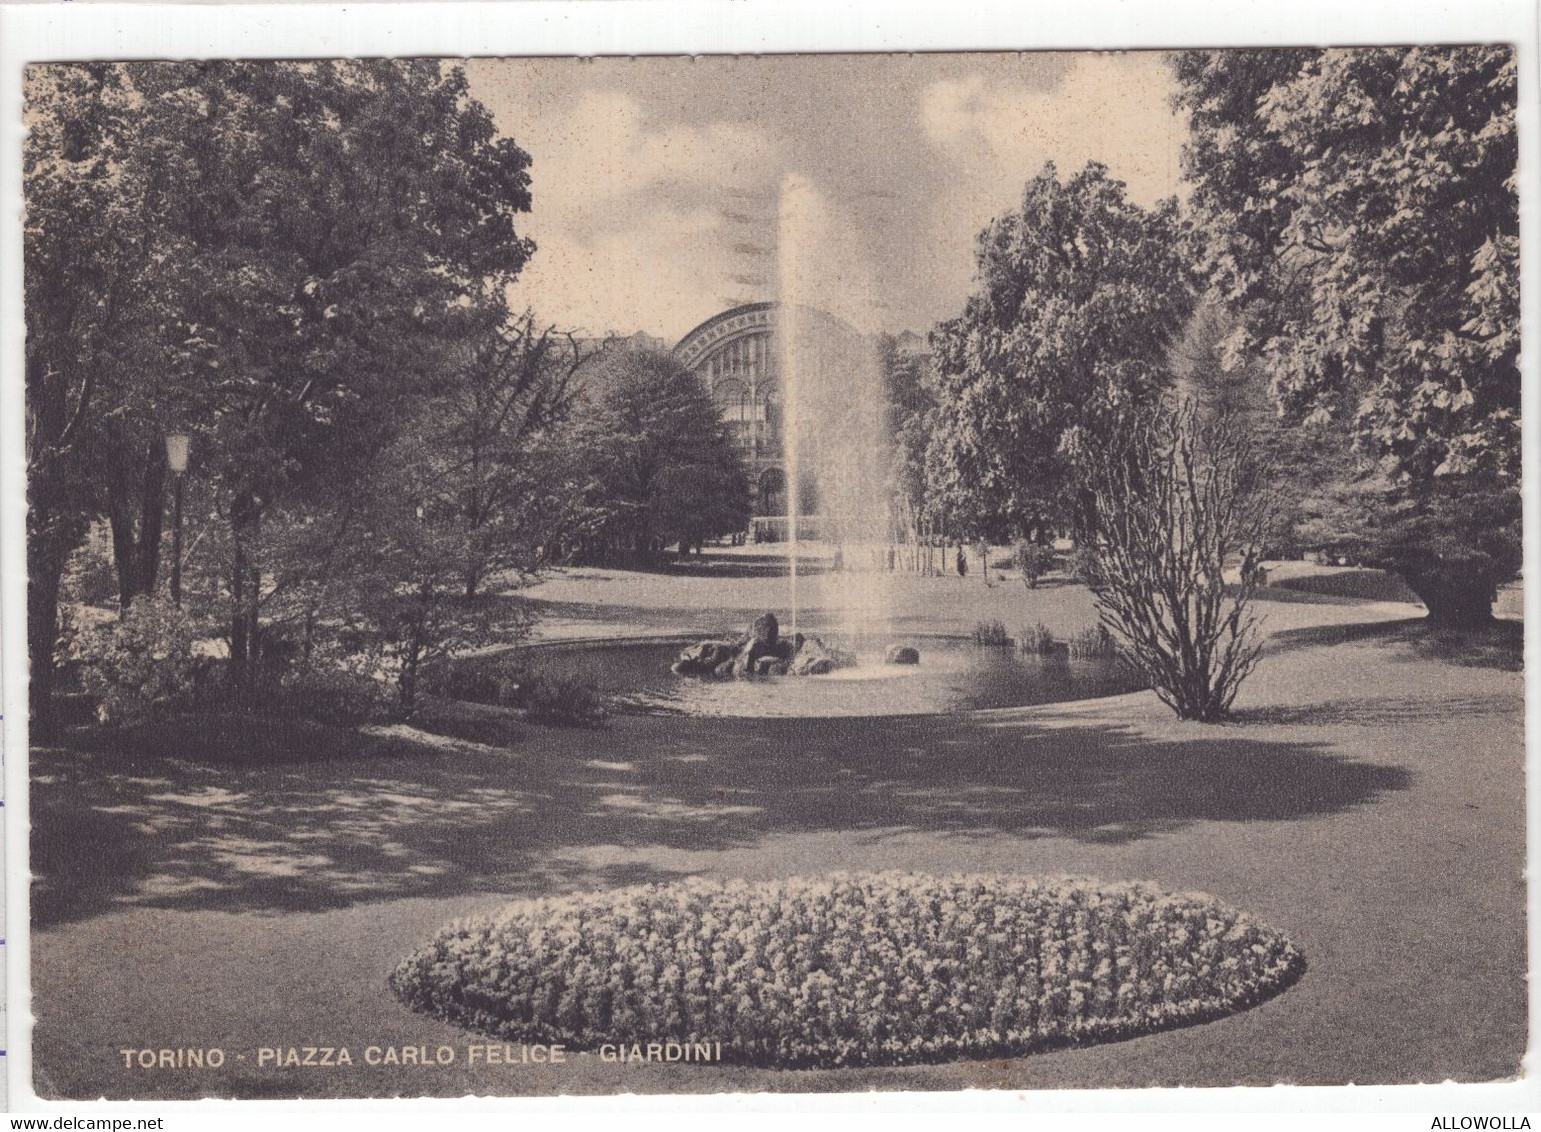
point(270, 877)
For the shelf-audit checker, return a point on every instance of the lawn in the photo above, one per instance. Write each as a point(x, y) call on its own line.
point(1367, 802)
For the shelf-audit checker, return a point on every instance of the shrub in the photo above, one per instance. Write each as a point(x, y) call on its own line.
point(501, 679)
point(1177, 499)
point(329, 696)
point(1081, 564)
point(89, 575)
point(138, 665)
point(865, 969)
point(565, 701)
point(1093, 643)
point(1035, 640)
point(992, 633)
point(1033, 561)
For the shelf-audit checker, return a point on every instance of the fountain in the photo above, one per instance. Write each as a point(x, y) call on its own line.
point(763, 651)
point(836, 453)
point(834, 441)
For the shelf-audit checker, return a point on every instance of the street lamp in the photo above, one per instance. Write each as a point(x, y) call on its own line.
point(177, 444)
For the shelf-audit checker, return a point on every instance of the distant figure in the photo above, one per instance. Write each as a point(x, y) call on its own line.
point(839, 563)
point(962, 563)
point(890, 560)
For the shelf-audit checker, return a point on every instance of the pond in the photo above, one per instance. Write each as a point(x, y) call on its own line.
point(954, 674)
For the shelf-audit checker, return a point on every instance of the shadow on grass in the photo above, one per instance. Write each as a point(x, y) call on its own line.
point(1499, 645)
point(1376, 712)
point(400, 814)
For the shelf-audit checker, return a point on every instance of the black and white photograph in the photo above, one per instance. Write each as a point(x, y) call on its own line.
point(781, 573)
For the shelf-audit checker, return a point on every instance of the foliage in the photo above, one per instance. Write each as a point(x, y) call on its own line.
point(332, 694)
point(1094, 642)
point(480, 485)
point(138, 664)
point(487, 454)
point(1033, 560)
point(663, 467)
point(251, 278)
point(991, 634)
point(88, 577)
point(1361, 218)
point(1035, 640)
point(506, 679)
point(564, 701)
point(1178, 500)
point(408, 611)
point(88, 321)
point(863, 969)
point(910, 409)
point(1080, 291)
point(500, 679)
point(1081, 564)
point(1453, 543)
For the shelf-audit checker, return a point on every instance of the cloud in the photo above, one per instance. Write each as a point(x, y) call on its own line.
point(1109, 108)
point(603, 150)
point(627, 219)
point(657, 181)
point(994, 136)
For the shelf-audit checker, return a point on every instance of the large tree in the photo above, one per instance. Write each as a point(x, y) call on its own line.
point(1079, 292)
point(907, 425)
point(664, 469)
point(1361, 218)
point(99, 293)
point(321, 235)
point(481, 485)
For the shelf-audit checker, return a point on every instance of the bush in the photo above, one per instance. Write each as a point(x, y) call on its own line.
point(1081, 564)
point(991, 633)
point(89, 575)
point(1033, 561)
point(1093, 643)
point(1178, 498)
point(1035, 640)
point(330, 696)
point(139, 665)
point(501, 679)
point(564, 701)
point(849, 970)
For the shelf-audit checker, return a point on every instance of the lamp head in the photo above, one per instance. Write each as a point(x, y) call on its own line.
point(177, 445)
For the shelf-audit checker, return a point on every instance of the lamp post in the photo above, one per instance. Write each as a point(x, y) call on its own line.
point(177, 444)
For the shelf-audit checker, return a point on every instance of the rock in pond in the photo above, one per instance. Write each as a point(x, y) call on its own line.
point(763, 651)
point(702, 658)
point(902, 654)
point(770, 666)
point(764, 630)
point(815, 658)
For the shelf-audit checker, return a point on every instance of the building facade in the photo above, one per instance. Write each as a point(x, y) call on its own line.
point(735, 356)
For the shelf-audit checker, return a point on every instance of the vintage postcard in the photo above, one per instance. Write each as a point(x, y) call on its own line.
point(784, 573)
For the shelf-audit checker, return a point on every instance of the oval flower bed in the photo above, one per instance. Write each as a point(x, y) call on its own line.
point(867, 969)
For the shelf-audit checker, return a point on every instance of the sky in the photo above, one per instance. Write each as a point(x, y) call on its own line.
point(667, 189)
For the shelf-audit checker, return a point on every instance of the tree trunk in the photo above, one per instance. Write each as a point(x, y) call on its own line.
point(1454, 601)
point(407, 682)
point(245, 516)
point(136, 521)
point(44, 572)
